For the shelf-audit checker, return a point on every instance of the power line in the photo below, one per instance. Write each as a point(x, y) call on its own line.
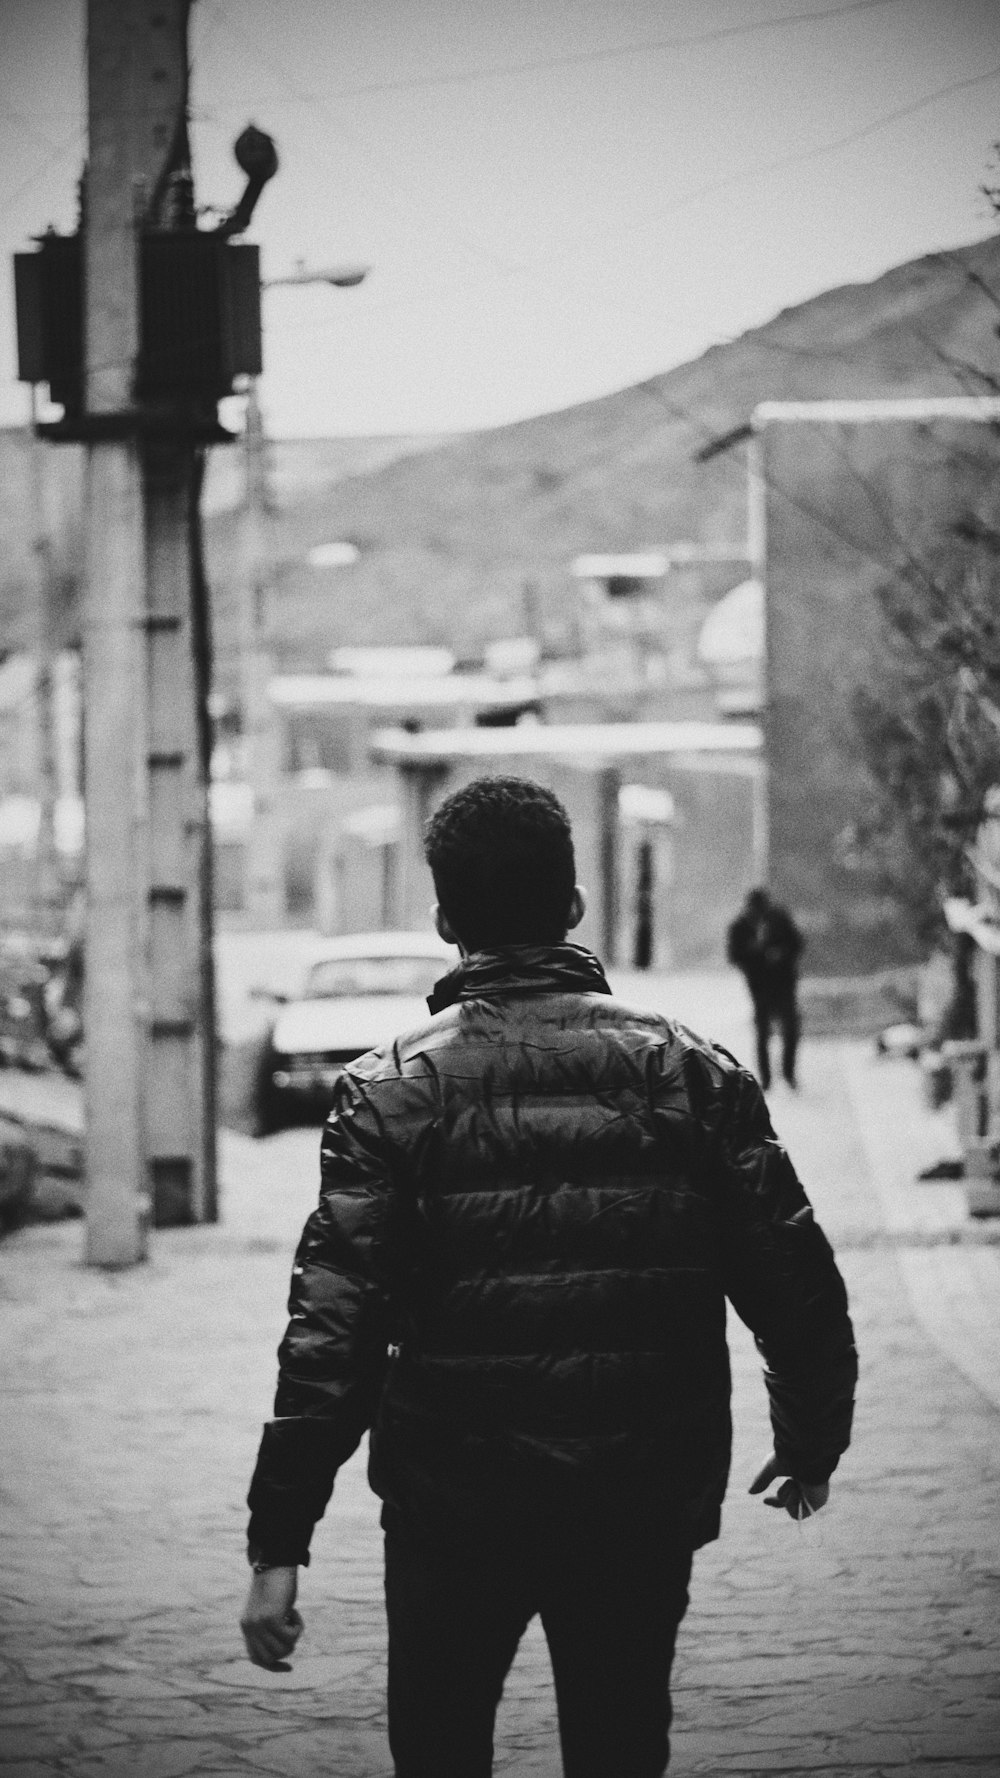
point(468, 242)
point(797, 157)
point(61, 149)
point(25, 125)
point(616, 52)
point(725, 182)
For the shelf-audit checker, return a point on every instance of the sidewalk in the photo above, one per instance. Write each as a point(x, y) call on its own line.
point(863, 1643)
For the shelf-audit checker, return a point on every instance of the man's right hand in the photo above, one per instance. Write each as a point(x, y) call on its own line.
point(271, 1626)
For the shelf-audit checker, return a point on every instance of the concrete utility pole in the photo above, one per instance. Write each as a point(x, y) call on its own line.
point(150, 1150)
point(48, 888)
point(265, 888)
point(264, 877)
point(757, 553)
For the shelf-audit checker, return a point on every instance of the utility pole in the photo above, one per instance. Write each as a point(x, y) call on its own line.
point(47, 887)
point(140, 323)
point(149, 1135)
point(757, 554)
point(261, 734)
point(265, 889)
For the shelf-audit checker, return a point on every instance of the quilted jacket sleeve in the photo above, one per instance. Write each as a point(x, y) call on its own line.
point(333, 1356)
point(782, 1279)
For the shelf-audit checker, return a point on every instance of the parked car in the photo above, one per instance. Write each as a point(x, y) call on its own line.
point(18, 1164)
point(363, 991)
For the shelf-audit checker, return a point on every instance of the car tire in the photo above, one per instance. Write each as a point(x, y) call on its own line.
point(266, 1114)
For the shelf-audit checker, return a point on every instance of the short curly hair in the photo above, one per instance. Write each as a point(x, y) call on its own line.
point(501, 854)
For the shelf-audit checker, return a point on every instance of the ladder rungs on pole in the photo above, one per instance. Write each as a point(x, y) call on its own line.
point(161, 620)
point(163, 1028)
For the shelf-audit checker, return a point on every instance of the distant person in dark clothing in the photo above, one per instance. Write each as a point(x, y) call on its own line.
point(765, 944)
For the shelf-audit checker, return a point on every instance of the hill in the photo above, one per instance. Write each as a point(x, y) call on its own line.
point(49, 482)
point(449, 540)
point(466, 541)
point(299, 467)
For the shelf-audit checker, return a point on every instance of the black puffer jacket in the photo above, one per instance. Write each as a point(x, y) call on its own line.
point(532, 1211)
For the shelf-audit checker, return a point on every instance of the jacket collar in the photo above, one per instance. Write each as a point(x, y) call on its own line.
point(520, 969)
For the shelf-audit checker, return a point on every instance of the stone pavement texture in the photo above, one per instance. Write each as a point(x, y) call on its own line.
point(863, 1643)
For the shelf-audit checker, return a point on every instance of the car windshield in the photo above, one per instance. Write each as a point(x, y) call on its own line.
point(412, 976)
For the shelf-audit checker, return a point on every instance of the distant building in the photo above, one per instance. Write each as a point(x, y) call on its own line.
point(337, 816)
point(640, 620)
point(730, 649)
point(679, 818)
point(20, 760)
point(666, 820)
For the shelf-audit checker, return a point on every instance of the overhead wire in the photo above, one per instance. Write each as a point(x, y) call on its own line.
point(25, 125)
point(797, 157)
point(506, 269)
point(748, 177)
point(271, 64)
point(611, 52)
point(12, 199)
point(509, 269)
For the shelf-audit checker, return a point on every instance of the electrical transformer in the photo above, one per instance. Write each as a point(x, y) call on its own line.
point(199, 322)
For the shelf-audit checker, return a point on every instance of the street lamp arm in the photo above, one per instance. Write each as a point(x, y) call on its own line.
point(344, 277)
point(257, 157)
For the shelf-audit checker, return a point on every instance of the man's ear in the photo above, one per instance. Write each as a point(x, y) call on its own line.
point(442, 925)
point(577, 907)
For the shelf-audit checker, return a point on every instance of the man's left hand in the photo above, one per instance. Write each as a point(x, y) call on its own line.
point(271, 1626)
point(799, 1499)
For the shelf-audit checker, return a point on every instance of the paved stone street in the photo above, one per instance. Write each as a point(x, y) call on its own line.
point(863, 1643)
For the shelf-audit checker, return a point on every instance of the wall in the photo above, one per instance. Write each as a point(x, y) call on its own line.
point(585, 789)
point(846, 507)
point(710, 847)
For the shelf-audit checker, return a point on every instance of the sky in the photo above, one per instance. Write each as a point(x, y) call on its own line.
point(556, 198)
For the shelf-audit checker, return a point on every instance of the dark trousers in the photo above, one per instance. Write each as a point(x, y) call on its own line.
point(610, 1600)
point(776, 1006)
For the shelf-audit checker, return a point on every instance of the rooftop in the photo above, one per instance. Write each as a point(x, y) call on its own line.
point(738, 743)
point(314, 691)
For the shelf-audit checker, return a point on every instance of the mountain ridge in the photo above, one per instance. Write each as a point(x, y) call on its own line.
point(469, 541)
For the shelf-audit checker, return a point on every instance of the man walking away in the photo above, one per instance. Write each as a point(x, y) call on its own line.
point(765, 944)
point(532, 1211)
